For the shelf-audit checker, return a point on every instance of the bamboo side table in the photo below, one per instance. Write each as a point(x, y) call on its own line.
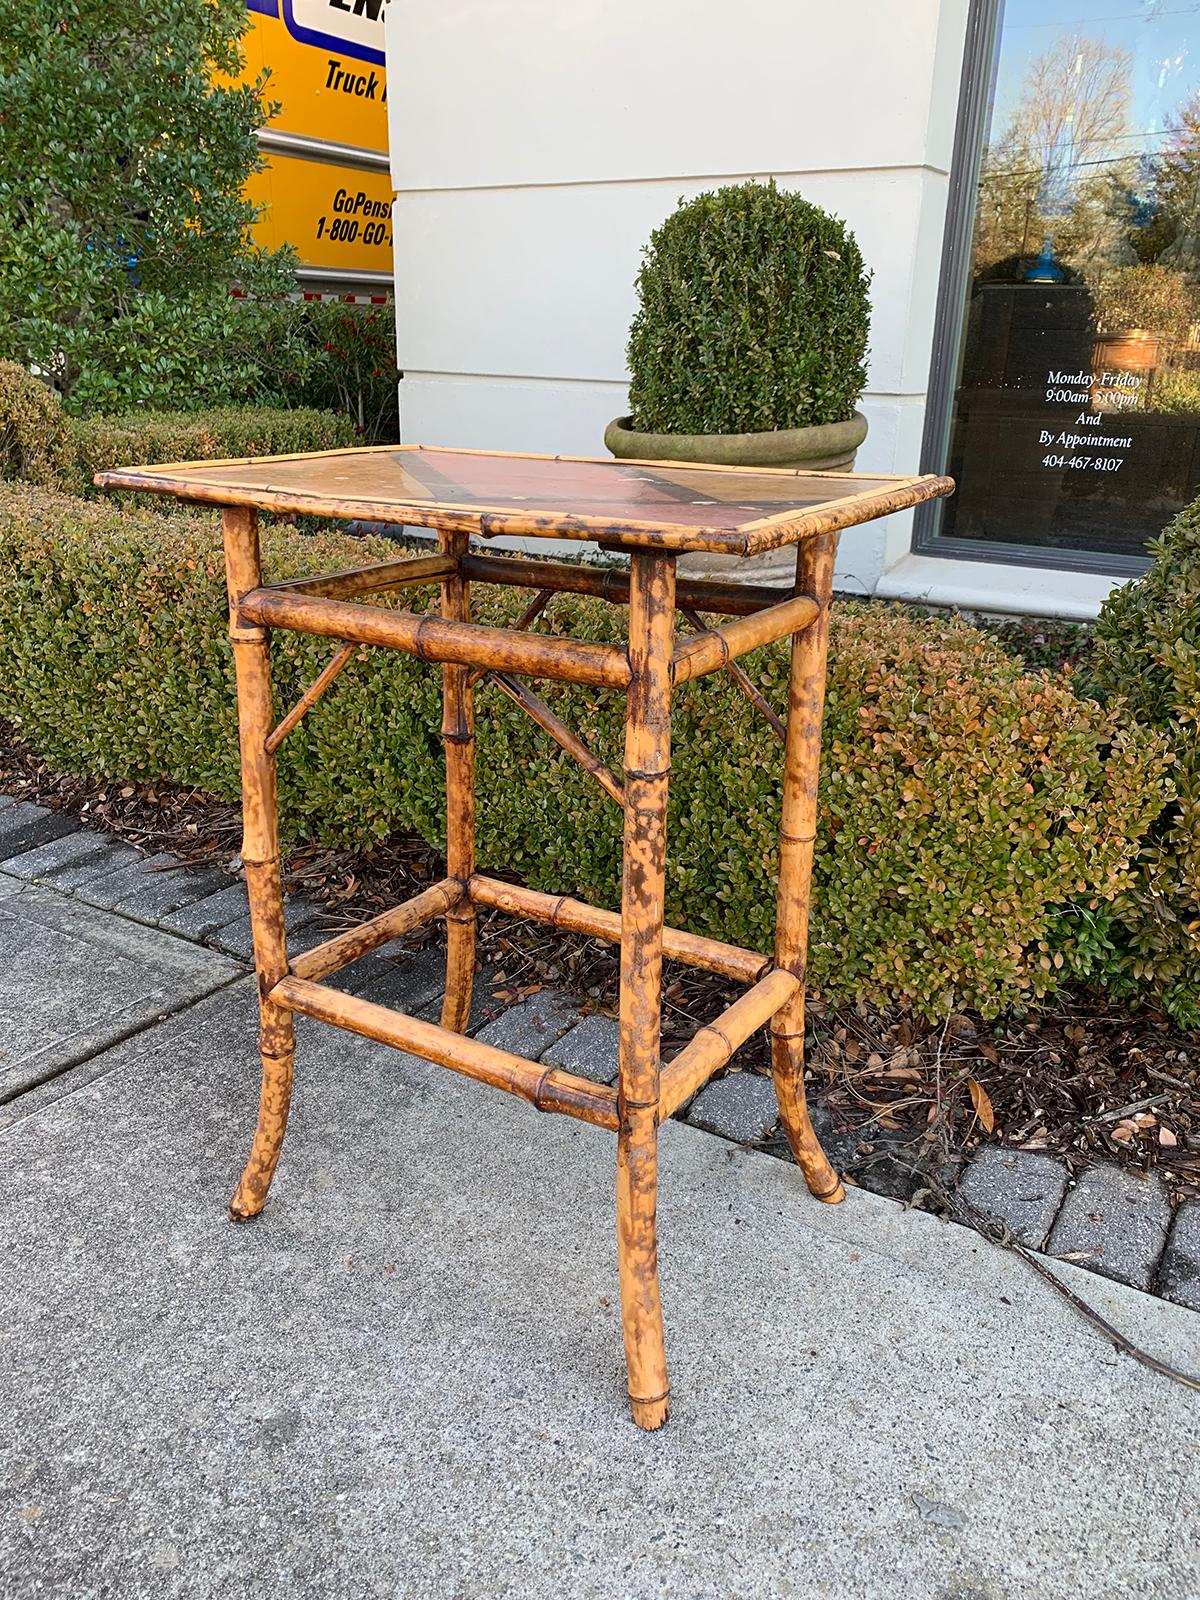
point(654, 512)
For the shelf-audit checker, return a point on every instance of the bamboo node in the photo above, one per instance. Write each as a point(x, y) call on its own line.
point(541, 1087)
point(828, 1194)
point(798, 838)
point(647, 777)
point(419, 640)
point(726, 1044)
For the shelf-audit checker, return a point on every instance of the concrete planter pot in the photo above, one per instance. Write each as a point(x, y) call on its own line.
point(830, 448)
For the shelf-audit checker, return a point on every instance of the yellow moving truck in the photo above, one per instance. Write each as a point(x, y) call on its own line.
point(326, 190)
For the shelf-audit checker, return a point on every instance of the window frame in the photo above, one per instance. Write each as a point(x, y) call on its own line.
point(981, 60)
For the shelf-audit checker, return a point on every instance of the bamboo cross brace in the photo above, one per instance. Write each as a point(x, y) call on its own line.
point(370, 580)
point(612, 583)
point(713, 1046)
point(433, 638)
point(526, 620)
point(547, 1088)
point(576, 916)
point(755, 696)
point(716, 647)
point(346, 947)
point(536, 709)
point(309, 698)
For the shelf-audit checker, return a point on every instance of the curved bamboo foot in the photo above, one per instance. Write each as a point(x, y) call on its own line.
point(274, 1104)
point(787, 1065)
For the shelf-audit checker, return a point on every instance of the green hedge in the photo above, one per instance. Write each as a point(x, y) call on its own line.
point(974, 817)
point(41, 443)
point(154, 436)
point(1147, 660)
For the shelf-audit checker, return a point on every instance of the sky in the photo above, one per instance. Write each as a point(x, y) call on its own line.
point(1162, 35)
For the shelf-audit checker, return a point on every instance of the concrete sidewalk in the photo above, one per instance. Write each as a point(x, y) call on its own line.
point(405, 1379)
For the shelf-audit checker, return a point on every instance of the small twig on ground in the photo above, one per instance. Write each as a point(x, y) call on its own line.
point(998, 1235)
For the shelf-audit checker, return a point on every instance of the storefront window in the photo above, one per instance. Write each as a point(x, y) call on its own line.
point(1071, 393)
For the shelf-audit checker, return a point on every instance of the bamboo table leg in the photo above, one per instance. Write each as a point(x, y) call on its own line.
point(647, 766)
point(260, 858)
point(798, 826)
point(458, 737)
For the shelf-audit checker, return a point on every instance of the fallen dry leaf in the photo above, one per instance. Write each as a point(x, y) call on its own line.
point(982, 1104)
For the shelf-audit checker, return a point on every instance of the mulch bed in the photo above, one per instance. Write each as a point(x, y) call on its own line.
point(1078, 1079)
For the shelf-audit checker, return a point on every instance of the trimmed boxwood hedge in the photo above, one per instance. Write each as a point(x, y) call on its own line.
point(41, 443)
point(753, 314)
point(1147, 661)
point(973, 816)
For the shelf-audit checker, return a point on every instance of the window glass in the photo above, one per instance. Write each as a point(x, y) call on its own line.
point(1076, 412)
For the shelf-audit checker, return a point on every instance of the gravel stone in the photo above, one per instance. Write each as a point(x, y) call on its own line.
point(1115, 1223)
point(1018, 1188)
point(741, 1107)
point(1179, 1276)
point(150, 888)
point(24, 826)
point(589, 1050)
point(529, 1029)
point(202, 918)
point(237, 939)
point(74, 859)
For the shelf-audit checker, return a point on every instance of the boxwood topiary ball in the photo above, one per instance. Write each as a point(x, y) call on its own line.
point(753, 316)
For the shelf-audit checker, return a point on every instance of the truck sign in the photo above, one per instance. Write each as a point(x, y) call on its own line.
point(327, 191)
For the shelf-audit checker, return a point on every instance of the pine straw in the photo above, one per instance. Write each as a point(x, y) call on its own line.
point(1081, 1080)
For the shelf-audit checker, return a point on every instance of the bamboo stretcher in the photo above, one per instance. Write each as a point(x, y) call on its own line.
point(653, 512)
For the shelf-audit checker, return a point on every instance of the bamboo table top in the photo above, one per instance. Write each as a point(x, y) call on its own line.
point(736, 511)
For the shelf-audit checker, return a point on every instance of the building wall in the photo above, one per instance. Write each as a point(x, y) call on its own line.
point(536, 143)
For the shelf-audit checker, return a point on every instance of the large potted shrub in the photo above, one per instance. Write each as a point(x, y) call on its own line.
point(750, 340)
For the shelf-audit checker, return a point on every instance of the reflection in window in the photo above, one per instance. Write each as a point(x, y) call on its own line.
point(1076, 418)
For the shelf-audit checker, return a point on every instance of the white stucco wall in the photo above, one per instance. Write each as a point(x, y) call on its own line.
point(536, 143)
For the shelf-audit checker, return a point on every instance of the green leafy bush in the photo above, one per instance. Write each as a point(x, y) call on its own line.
point(970, 810)
point(1147, 661)
point(128, 135)
point(1176, 392)
point(40, 442)
point(36, 442)
point(753, 315)
point(328, 355)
